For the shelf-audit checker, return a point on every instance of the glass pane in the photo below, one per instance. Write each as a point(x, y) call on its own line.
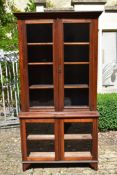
point(75, 53)
point(40, 138)
point(40, 75)
point(76, 32)
point(41, 97)
point(76, 74)
point(39, 33)
point(76, 97)
point(78, 145)
point(77, 128)
point(40, 53)
point(78, 137)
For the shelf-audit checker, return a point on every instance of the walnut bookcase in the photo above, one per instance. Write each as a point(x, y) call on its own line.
point(58, 70)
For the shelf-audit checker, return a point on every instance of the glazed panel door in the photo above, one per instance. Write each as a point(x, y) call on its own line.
point(41, 81)
point(77, 64)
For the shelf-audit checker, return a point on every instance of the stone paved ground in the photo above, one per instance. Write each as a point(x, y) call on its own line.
point(10, 157)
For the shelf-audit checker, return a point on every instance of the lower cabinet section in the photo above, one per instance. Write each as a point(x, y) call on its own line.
point(40, 139)
point(59, 140)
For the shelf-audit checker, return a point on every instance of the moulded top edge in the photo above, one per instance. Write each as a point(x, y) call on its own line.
point(57, 14)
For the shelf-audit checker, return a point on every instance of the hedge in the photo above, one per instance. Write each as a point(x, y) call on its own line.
point(107, 107)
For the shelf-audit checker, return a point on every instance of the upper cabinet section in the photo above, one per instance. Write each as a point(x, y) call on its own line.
point(58, 60)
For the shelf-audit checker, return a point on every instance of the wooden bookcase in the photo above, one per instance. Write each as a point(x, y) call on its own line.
point(58, 73)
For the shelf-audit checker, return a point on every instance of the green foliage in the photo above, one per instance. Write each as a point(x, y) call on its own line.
point(30, 6)
point(49, 4)
point(107, 107)
point(8, 25)
point(8, 29)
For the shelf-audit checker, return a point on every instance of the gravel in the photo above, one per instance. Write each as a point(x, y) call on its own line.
point(10, 157)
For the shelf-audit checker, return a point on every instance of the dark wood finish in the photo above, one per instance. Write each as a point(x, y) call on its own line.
point(95, 144)
point(54, 15)
point(23, 66)
point(23, 140)
point(93, 65)
point(60, 65)
point(26, 166)
point(57, 155)
point(55, 68)
point(71, 93)
point(43, 115)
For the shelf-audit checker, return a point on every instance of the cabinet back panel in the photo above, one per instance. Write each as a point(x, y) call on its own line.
point(76, 32)
point(40, 75)
point(39, 33)
point(76, 97)
point(77, 128)
point(75, 53)
point(40, 54)
point(40, 146)
point(76, 145)
point(43, 97)
point(76, 74)
point(40, 128)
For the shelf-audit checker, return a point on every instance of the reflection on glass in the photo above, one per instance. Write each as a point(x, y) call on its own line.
point(42, 97)
point(76, 97)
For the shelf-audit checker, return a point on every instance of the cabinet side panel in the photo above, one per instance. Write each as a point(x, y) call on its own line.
point(95, 139)
point(93, 64)
point(23, 139)
point(24, 90)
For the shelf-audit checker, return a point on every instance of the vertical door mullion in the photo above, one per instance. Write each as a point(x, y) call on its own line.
point(58, 67)
point(60, 64)
point(61, 139)
point(56, 130)
point(55, 65)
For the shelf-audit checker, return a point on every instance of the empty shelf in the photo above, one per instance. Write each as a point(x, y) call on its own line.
point(75, 86)
point(41, 156)
point(76, 43)
point(41, 87)
point(40, 63)
point(78, 154)
point(40, 137)
point(39, 44)
point(73, 63)
point(77, 136)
